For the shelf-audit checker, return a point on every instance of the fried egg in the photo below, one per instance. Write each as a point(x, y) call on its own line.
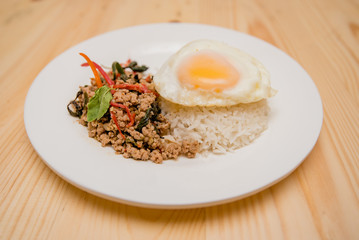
point(212, 73)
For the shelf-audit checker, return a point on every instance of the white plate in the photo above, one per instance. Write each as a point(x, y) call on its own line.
point(295, 122)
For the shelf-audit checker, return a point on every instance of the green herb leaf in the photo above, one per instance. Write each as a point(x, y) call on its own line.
point(144, 121)
point(132, 64)
point(114, 70)
point(119, 68)
point(99, 103)
point(139, 68)
point(116, 67)
point(74, 109)
point(136, 68)
point(124, 77)
point(86, 98)
point(156, 110)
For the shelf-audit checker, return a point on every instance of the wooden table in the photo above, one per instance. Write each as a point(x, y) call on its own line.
point(319, 200)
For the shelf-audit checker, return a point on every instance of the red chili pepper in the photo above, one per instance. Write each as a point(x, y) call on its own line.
point(148, 78)
point(93, 68)
point(130, 116)
point(113, 116)
point(109, 81)
point(137, 87)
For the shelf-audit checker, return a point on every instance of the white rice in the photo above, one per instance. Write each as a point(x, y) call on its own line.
point(218, 129)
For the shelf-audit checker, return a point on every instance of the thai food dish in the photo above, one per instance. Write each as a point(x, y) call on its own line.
point(207, 97)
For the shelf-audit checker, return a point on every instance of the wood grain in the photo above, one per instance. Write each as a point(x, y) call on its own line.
point(320, 200)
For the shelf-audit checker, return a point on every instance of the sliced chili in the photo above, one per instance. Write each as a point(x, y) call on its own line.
point(148, 78)
point(113, 116)
point(130, 116)
point(109, 81)
point(93, 68)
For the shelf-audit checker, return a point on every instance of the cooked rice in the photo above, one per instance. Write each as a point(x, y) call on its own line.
point(218, 129)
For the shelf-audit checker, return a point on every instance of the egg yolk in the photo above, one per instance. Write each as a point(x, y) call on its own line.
point(207, 70)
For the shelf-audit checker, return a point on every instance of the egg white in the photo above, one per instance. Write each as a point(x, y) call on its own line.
point(253, 85)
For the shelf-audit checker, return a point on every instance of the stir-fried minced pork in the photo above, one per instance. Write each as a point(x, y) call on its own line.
point(133, 124)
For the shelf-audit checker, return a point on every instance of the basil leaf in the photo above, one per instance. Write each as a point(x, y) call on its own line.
point(132, 64)
point(119, 68)
point(99, 103)
point(139, 68)
point(136, 68)
point(156, 110)
point(86, 98)
point(114, 70)
point(144, 121)
point(124, 77)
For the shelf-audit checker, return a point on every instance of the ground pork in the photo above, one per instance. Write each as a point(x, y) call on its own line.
point(140, 125)
point(190, 148)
